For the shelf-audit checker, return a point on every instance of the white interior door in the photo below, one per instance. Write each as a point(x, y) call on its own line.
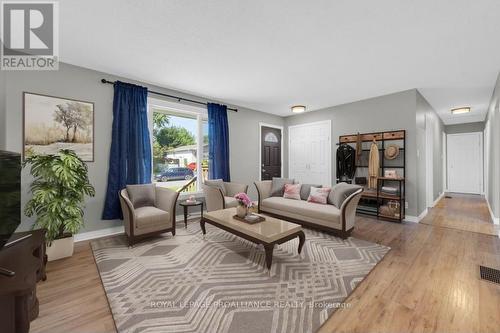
point(309, 153)
point(465, 162)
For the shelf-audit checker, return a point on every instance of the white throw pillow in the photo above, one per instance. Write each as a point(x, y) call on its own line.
point(319, 195)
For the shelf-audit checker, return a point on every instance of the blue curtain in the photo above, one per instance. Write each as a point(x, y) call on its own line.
point(218, 143)
point(130, 155)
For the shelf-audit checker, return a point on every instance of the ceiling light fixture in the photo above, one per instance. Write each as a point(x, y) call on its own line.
point(298, 108)
point(461, 110)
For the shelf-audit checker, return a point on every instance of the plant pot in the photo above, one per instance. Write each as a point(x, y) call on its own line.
point(241, 211)
point(60, 248)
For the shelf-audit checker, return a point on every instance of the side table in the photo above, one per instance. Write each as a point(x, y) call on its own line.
point(185, 204)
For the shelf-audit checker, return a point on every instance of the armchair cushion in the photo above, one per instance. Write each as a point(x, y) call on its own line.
point(230, 202)
point(340, 192)
point(148, 217)
point(219, 183)
point(141, 195)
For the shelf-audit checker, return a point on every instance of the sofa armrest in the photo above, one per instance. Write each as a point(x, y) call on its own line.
point(234, 188)
point(348, 210)
point(127, 211)
point(263, 190)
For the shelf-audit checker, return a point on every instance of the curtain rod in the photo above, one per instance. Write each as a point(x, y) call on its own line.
point(171, 96)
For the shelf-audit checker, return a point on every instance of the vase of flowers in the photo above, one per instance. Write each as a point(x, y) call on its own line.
point(244, 203)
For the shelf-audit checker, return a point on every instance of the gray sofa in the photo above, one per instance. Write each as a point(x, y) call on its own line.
point(336, 220)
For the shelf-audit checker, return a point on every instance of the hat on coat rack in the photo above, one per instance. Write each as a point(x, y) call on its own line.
point(391, 152)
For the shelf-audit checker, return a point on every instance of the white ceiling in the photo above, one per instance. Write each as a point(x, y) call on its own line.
point(270, 54)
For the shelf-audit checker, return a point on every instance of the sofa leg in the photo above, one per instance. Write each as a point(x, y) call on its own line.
point(346, 234)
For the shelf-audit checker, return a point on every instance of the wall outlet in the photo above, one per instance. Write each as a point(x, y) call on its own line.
point(406, 204)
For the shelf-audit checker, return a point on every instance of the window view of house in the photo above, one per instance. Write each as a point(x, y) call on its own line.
point(175, 150)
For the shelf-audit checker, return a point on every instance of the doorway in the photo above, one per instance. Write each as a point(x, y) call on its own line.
point(465, 162)
point(271, 151)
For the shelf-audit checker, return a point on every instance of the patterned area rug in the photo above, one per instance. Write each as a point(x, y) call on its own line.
point(219, 283)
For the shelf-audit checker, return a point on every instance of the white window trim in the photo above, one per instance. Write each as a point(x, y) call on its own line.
point(260, 146)
point(201, 115)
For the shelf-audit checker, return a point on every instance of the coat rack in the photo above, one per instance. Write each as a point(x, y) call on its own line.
point(372, 200)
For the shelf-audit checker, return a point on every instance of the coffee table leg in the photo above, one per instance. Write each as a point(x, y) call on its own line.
point(185, 216)
point(202, 225)
point(269, 255)
point(302, 240)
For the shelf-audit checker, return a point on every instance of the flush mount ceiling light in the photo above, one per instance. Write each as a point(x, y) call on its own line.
point(298, 108)
point(461, 110)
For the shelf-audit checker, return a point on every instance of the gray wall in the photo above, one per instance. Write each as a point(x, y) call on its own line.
point(80, 83)
point(464, 128)
point(427, 120)
point(244, 146)
point(493, 147)
point(390, 112)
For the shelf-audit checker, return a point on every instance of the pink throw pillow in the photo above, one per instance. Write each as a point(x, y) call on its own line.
point(319, 195)
point(292, 191)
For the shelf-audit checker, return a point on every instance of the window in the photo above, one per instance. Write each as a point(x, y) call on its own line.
point(271, 137)
point(180, 147)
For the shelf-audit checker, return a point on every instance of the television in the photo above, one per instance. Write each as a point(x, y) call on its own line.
point(10, 194)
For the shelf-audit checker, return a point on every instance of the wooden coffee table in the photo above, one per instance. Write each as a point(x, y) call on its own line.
point(270, 232)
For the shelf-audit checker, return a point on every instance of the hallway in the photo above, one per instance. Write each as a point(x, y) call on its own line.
point(463, 212)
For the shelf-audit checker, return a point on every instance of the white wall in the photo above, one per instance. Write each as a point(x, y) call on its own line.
point(493, 147)
point(429, 124)
point(80, 83)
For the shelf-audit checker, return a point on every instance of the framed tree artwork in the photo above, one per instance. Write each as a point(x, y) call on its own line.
point(54, 123)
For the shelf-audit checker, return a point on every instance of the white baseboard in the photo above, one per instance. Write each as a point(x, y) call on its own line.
point(99, 233)
point(415, 219)
point(495, 220)
point(409, 218)
point(89, 235)
point(437, 200)
point(423, 215)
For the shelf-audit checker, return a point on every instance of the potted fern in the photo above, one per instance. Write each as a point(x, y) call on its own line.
point(60, 186)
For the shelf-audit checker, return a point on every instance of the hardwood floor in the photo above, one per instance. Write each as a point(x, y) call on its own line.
point(463, 212)
point(428, 282)
point(72, 298)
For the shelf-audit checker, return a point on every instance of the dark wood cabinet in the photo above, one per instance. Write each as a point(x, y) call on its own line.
point(18, 301)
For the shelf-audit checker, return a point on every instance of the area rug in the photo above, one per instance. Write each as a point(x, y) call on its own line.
point(219, 283)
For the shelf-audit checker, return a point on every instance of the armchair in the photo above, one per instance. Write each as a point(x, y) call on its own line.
point(147, 211)
point(220, 195)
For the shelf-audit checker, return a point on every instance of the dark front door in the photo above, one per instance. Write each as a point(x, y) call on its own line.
point(270, 152)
